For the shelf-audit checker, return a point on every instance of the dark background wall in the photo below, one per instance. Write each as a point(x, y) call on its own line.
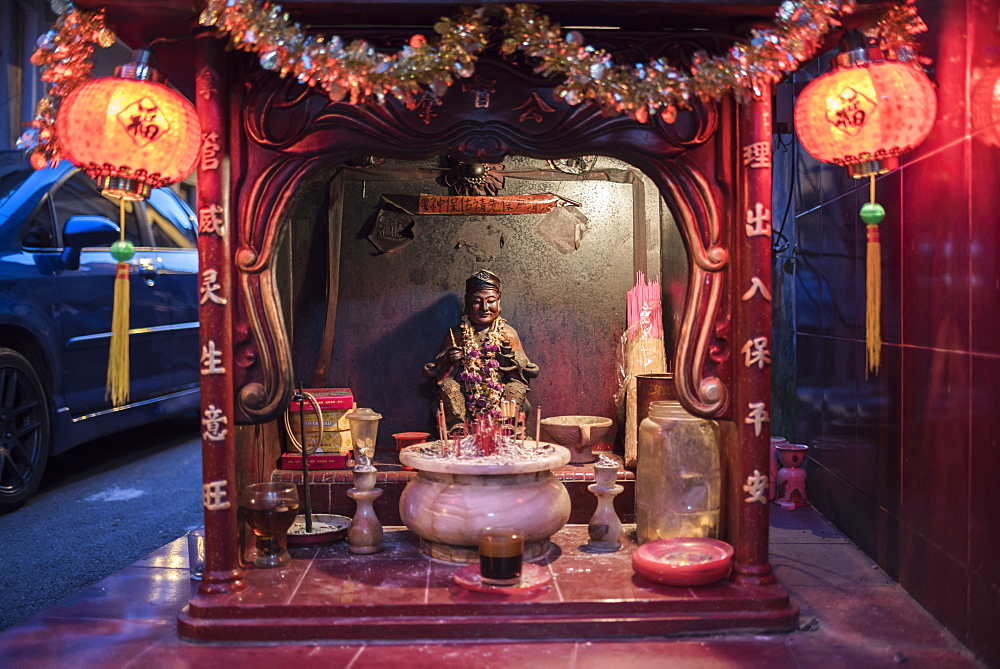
point(568, 305)
point(905, 462)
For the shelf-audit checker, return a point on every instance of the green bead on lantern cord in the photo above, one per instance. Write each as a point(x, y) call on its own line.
point(872, 213)
point(122, 250)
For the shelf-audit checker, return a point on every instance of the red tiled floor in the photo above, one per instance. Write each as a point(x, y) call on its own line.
point(852, 614)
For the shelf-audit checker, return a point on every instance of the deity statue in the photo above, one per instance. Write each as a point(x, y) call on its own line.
point(481, 366)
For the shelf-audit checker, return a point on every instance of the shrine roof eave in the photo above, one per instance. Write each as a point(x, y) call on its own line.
point(142, 22)
point(172, 23)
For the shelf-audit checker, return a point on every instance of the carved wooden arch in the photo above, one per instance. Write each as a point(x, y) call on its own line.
point(286, 132)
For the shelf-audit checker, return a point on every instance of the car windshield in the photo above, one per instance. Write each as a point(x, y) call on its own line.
point(171, 224)
point(12, 174)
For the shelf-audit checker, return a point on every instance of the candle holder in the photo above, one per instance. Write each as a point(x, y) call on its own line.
point(791, 476)
point(364, 536)
point(605, 528)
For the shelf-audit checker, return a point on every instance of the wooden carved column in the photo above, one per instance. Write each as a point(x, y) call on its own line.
point(223, 573)
point(751, 299)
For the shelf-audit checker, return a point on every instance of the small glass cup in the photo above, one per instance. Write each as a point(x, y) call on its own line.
point(500, 555)
point(196, 552)
point(270, 509)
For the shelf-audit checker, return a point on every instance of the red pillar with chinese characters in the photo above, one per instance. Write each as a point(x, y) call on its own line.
point(223, 571)
point(751, 304)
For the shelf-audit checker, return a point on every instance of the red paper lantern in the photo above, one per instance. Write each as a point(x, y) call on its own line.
point(865, 112)
point(862, 115)
point(986, 106)
point(130, 132)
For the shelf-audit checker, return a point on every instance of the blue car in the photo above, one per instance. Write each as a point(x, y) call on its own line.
point(56, 295)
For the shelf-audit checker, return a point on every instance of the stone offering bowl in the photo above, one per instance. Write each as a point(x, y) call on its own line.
point(448, 504)
point(577, 433)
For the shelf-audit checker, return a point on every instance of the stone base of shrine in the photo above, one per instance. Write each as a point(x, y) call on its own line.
point(328, 593)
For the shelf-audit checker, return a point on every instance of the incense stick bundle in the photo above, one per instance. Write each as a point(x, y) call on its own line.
point(643, 349)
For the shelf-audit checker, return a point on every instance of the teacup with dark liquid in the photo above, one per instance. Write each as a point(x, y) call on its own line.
point(500, 553)
point(270, 509)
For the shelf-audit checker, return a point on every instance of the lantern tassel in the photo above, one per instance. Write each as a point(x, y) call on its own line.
point(872, 214)
point(118, 358)
point(117, 384)
point(873, 302)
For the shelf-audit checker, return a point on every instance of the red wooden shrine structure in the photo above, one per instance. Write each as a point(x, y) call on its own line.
point(270, 135)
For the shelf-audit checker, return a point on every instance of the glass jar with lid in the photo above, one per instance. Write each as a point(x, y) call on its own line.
point(678, 476)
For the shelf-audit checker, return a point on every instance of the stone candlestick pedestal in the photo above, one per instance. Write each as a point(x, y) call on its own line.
point(605, 528)
point(364, 536)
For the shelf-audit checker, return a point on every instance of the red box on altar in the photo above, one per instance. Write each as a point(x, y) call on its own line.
point(335, 403)
point(317, 461)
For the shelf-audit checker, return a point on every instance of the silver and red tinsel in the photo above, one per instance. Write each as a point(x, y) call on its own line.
point(359, 73)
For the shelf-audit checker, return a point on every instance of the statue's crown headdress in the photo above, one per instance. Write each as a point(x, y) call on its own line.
point(482, 280)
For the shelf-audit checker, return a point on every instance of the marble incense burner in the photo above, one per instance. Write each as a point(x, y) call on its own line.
point(451, 500)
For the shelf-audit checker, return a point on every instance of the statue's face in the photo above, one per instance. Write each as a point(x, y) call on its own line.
point(482, 307)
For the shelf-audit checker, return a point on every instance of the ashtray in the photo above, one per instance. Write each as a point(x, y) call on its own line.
point(683, 561)
point(533, 577)
point(325, 527)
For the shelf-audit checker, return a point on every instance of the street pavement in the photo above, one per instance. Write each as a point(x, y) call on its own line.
point(101, 506)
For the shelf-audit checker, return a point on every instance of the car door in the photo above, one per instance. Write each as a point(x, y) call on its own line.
point(86, 297)
point(173, 228)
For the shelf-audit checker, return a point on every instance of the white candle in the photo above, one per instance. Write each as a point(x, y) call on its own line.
point(538, 425)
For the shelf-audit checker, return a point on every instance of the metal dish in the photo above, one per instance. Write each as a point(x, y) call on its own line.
point(326, 527)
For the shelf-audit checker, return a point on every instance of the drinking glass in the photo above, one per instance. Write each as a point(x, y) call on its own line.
point(270, 509)
point(196, 552)
point(500, 554)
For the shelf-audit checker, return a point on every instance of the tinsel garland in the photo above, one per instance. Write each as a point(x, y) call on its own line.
point(357, 73)
point(64, 58)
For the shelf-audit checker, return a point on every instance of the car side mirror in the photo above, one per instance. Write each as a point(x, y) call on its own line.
point(83, 231)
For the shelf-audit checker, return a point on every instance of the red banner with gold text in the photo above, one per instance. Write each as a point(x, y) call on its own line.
point(486, 205)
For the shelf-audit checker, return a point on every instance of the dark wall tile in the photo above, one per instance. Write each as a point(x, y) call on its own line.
point(984, 244)
point(935, 228)
point(809, 389)
point(836, 445)
point(808, 180)
point(834, 497)
point(887, 552)
point(984, 466)
point(935, 448)
point(809, 291)
point(936, 580)
point(984, 602)
point(838, 265)
point(880, 404)
point(866, 525)
point(874, 400)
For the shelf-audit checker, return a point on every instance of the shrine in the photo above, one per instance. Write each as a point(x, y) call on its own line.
point(339, 213)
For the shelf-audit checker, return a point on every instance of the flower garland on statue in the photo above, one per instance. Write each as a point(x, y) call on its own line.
point(358, 74)
point(480, 375)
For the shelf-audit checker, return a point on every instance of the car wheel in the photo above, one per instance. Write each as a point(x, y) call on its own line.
point(24, 430)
